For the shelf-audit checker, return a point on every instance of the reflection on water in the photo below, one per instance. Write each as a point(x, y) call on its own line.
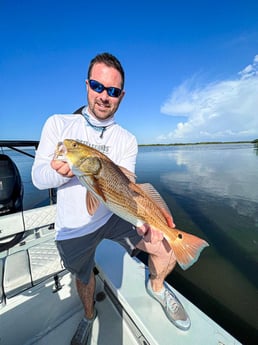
point(212, 192)
point(256, 148)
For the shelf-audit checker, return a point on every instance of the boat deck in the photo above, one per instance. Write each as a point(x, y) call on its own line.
point(31, 313)
point(127, 315)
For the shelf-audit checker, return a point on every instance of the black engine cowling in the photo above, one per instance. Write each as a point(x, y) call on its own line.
point(11, 187)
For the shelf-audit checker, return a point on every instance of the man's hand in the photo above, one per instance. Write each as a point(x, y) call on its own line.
point(149, 234)
point(61, 168)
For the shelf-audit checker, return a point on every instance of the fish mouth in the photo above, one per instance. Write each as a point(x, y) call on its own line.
point(60, 151)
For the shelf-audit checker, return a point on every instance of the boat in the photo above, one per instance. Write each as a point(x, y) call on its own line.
point(38, 300)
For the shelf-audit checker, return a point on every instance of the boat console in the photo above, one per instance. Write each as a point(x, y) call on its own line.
point(11, 187)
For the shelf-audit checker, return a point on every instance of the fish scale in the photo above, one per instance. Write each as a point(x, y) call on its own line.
point(129, 201)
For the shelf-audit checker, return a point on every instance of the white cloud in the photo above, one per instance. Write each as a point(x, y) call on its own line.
point(225, 110)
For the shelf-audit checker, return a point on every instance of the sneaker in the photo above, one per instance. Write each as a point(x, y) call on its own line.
point(82, 335)
point(172, 307)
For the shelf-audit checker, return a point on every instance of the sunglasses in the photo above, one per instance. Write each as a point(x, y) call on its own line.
point(98, 87)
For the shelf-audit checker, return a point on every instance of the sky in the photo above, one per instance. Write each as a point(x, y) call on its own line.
point(191, 66)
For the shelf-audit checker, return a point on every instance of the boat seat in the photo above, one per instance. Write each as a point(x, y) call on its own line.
point(28, 267)
point(32, 260)
point(16, 274)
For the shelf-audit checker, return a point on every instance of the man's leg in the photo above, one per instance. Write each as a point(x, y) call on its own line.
point(80, 262)
point(86, 294)
point(161, 262)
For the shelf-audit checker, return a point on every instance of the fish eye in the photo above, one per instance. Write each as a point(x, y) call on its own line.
point(74, 145)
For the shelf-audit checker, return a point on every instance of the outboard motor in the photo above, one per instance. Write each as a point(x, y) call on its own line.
point(11, 187)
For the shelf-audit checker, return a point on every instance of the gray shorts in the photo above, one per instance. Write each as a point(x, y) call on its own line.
point(78, 253)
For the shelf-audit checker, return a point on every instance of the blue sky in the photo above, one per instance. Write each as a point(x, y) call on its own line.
point(191, 66)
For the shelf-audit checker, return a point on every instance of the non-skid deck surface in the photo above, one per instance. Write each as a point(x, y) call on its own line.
point(41, 317)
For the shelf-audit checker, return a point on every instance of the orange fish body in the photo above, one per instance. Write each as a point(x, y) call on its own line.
point(138, 204)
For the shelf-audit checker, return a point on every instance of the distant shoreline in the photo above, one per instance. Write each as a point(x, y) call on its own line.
point(205, 143)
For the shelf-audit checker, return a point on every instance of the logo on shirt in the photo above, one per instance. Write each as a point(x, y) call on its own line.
point(102, 148)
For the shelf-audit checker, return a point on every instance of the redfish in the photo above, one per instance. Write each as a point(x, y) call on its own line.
point(138, 204)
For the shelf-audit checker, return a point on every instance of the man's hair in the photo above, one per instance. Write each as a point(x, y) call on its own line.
point(109, 60)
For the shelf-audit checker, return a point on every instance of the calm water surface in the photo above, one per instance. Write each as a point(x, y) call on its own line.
point(212, 192)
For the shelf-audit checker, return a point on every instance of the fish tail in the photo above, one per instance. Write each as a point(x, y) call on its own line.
point(187, 248)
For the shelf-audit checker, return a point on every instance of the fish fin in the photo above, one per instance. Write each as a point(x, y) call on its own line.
point(129, 174)
point(93, 185)
point(187, 248)
point(159, 201)
point(92, 203)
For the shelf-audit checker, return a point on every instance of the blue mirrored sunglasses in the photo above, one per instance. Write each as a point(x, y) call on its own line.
point(98, 87)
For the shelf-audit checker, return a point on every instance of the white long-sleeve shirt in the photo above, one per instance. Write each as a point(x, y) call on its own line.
point(118, 144)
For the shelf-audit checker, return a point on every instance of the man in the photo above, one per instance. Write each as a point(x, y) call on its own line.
point(78, 233)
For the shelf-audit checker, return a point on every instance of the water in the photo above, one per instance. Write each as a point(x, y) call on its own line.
point(212, 192)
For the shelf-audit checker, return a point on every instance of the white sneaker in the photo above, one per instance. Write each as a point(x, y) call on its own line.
point(172, 306)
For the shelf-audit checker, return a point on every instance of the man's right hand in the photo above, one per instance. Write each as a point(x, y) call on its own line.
point(149, 234)
point(61, 168)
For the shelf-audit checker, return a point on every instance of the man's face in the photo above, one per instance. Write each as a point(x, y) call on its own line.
point(102, 105)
